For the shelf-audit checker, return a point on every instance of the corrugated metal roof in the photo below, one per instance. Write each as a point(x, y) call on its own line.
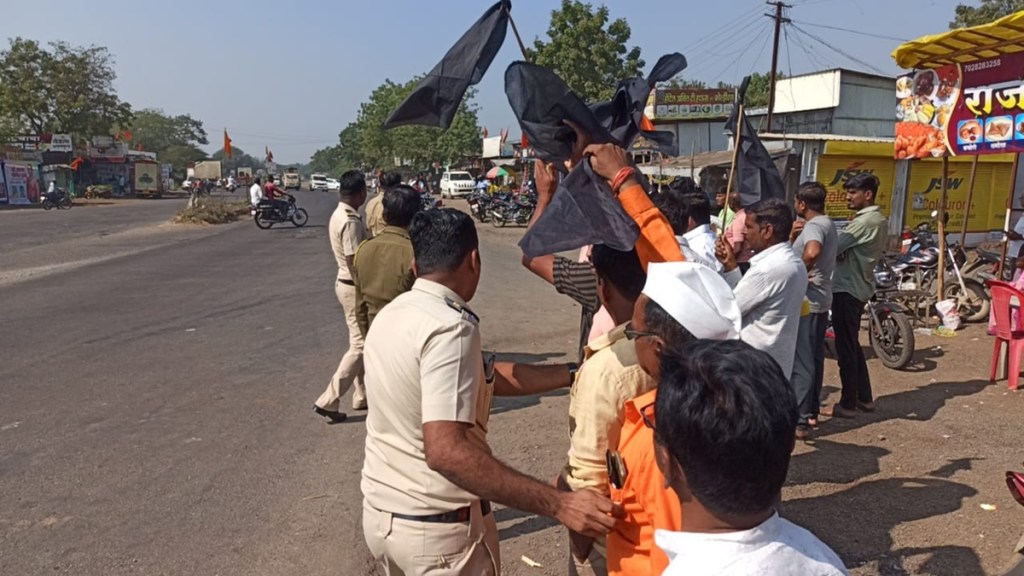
point(826, 137)
point(721, 158)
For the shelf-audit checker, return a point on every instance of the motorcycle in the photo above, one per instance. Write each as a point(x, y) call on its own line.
point(909, 278)
point(58, 199)
point(514, 210)
point(479, 205)
point(1015, 482)
point(890, 333)
point(266, 214)
point(429, 202)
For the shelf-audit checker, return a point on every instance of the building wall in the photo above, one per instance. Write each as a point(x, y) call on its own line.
point(866, 106)
point(699, 136)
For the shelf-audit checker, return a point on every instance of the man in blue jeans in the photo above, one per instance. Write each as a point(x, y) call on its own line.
point(859, 246)
point(814, 241)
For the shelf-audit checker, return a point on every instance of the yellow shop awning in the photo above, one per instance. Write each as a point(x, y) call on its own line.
point(1004, 36)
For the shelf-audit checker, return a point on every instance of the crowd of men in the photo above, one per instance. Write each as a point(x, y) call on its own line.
point(701, 364)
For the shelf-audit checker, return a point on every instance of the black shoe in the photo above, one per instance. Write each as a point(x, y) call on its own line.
point(334, 417)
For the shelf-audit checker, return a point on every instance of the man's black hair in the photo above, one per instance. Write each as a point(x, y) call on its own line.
point(813, 195)
point(671, 204)
point(351, 183)
point(390, 179)
point(400, 204)
point(863, 181)
point(727, 414)
point(441, 239)
point(660, 322)
point(698, 205)
point(775, 212)
point(683, 184)
point(621, 269)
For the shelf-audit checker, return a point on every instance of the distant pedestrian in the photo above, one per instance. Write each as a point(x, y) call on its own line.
point(346, 231)
point(375, 223)
point(860, 245)
point(814, 241)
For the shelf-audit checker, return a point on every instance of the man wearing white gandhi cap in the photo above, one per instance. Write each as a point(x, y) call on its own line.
point(681, 302)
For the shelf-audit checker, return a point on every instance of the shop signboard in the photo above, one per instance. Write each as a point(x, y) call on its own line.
point(687, 104)
point(22, 183)
point(3, 187)
point(61, 143)
point(835, 171)
point(961, 109)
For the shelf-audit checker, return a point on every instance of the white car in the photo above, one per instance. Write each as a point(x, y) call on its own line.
point(333, 185)
point(318, 182)
point(456, 184)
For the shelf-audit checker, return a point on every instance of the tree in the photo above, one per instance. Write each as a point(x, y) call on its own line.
point(238, 159)
point(364, 144)
point(157, 131)
point(759, 88)
point(65, 89)
point(985, 12)
point(587, 51)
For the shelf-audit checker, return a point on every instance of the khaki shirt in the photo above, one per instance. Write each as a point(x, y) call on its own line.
point(423, 364)
point(375, 214)
point(383, 267)
point(608, 379)
point(347, 233)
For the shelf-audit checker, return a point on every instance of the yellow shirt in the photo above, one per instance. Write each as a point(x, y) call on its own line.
point(609, 377)
point(375, 214)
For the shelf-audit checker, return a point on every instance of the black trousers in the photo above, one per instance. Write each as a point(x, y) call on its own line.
point(853, 369)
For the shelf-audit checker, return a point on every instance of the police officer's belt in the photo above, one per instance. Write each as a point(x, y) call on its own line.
point(346, 282)
point(460, 515)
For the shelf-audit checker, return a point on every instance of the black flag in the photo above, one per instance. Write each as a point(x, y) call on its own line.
point(584, 211)
point(757, 177)
point(437, 97)
point(623, 114)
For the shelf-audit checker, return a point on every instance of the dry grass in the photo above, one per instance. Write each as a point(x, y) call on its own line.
point(211, 211)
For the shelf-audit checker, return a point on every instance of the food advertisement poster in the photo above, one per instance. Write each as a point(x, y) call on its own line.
point(686, 104)
point(961, 109)
point(834, 171)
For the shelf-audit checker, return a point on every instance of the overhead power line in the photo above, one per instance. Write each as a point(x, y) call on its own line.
point(840, 52)
point(858, 32)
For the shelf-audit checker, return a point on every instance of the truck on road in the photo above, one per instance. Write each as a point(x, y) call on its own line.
point(208, 170)
point(291, 178)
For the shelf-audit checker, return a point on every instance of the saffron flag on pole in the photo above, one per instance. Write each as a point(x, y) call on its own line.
point(227, 143)
point(437, 97)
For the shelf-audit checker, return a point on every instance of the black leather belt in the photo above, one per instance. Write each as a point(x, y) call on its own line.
point(346, 282)
point(460, 515)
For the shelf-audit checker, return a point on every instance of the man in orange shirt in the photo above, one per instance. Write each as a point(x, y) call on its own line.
point(680, 302)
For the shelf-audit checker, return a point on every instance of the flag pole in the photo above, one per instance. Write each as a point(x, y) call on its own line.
point(735, 150)
point(970, 198)
point(515, 31)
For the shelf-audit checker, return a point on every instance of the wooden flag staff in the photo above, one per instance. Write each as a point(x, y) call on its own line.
point(735, 153)
point(515, 31)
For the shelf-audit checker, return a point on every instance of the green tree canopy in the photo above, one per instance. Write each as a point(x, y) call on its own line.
point(60, 89)
point(364, 144)
point(588, 51)
point(986, 11)
point(157, 131)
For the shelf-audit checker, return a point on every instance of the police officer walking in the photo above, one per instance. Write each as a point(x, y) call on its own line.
point(429, 477)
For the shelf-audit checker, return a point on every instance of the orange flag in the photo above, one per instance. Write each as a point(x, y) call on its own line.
point(227, 144)
point(127, 135)
point(485, 132)
point(524, 141)
point(645, 124)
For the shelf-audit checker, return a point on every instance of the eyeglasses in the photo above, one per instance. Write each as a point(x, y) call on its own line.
point(647, 413)
point(632, 334)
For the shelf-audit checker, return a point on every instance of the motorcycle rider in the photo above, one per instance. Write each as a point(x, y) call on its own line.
point(273, 195)
point(255, 193)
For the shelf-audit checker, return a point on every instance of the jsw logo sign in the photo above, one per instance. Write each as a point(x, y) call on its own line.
point(936, 184)
point(849, 172)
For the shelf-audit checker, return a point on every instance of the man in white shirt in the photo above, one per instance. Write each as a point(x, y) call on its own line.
point(676, 205)
point(726, 410)
point(699, 236)
point(255, 193)
point(771, 293)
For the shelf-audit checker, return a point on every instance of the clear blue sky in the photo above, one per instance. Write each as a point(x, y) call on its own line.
point(291, 75)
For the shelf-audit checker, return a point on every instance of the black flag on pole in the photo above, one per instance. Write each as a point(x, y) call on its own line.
point(437, 97)
point(757, 177)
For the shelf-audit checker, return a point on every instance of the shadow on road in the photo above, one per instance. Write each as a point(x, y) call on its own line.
point(530, 523)
point(857, 523)
point(503, 404)
point(835, 462)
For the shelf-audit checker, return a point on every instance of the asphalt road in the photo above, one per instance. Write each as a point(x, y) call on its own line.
point(157, 385)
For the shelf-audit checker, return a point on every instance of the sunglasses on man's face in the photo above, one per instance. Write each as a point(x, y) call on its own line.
point(632, 334)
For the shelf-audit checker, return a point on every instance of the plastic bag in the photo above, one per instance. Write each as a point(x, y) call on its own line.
point(950, 317)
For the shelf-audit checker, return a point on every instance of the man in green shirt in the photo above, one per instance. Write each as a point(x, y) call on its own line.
point(383, 264)
point(859, 247)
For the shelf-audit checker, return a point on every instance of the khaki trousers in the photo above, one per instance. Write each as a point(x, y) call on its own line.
point(410, 548)
point(350, 370)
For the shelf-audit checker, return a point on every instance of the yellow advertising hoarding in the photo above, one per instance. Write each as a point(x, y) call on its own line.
point(988, 204)
point(834, 171)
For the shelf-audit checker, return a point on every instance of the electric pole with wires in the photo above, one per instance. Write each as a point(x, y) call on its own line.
point(779, 21)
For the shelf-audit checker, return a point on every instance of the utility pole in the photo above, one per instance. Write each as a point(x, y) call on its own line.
point(779, 21)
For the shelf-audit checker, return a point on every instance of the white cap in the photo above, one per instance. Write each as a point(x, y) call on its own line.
point(697, 297)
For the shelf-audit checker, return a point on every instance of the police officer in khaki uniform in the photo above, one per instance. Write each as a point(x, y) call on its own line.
point(429, 476)
point(383, 264)
point(375, 222)
point(347, 232)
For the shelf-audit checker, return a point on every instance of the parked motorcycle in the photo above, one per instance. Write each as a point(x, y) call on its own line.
point(890, 333)
point(58, 199)
point(909, 278)
point(430, 203)
point(1015, 482)
point(479, 205)
point(266, 215)
point(514, 210)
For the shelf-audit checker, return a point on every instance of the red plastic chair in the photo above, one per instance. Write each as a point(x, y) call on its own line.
point(1005, 330)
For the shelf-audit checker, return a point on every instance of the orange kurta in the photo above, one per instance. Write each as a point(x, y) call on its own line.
point(657, 241)
point(648, 504)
